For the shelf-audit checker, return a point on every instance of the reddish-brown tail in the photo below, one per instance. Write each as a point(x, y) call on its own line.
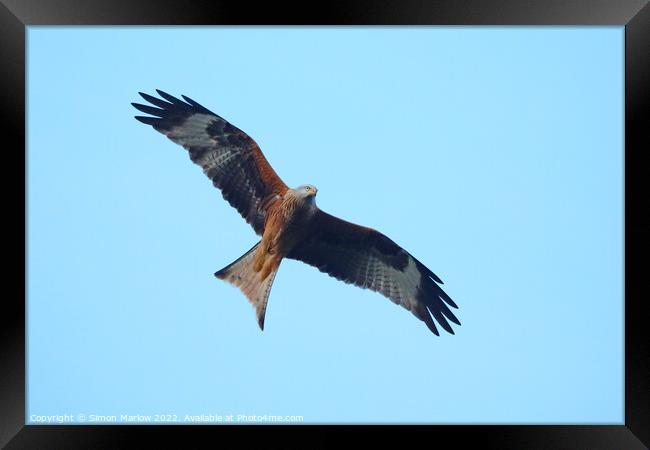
point(240, 273)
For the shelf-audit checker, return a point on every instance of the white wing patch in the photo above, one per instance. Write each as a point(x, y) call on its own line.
point(192, 132)
point(404, 284)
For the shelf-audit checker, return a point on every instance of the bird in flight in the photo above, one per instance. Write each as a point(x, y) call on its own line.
point(288, 220)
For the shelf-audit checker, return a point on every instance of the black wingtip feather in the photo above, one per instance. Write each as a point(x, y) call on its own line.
point(191, 102)
point(430, 323)
point(169, 98)
point(171, 110)
point(198, 106)
point(155, 101)
point(430, 295)
point(447, 299)
point(448, 314)
point(435, 312)
point(149, 109)
point(427, 271)
point(434, 277)
point(148, 120)
point(169, 113)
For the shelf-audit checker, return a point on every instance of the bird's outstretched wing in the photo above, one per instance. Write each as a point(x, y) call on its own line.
point(368, 259)
point(228, 156)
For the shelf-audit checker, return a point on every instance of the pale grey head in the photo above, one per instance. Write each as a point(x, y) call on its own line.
point(306, 192)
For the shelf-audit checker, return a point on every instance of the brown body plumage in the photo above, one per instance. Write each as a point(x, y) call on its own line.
point(285, 227)
point(290, 224)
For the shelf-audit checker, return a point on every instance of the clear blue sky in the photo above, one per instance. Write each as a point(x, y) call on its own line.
point(494, 155)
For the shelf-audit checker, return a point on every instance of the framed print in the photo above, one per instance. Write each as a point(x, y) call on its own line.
point(475, 164)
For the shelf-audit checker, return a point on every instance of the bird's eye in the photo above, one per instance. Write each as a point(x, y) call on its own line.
point(307, 188)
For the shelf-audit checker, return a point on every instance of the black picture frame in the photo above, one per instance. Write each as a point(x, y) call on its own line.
point(16, 15)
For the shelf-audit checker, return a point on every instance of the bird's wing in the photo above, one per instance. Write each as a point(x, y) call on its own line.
point(368, 259)
point(228, 156)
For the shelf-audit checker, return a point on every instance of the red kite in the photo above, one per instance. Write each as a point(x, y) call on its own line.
point(290, 223)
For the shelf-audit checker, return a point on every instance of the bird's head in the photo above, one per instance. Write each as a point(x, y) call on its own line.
point(306, 191)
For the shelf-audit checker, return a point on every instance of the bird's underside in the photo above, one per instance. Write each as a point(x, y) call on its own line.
point(289, 222)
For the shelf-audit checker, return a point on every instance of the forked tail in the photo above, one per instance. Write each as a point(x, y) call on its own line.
point(240, 273)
